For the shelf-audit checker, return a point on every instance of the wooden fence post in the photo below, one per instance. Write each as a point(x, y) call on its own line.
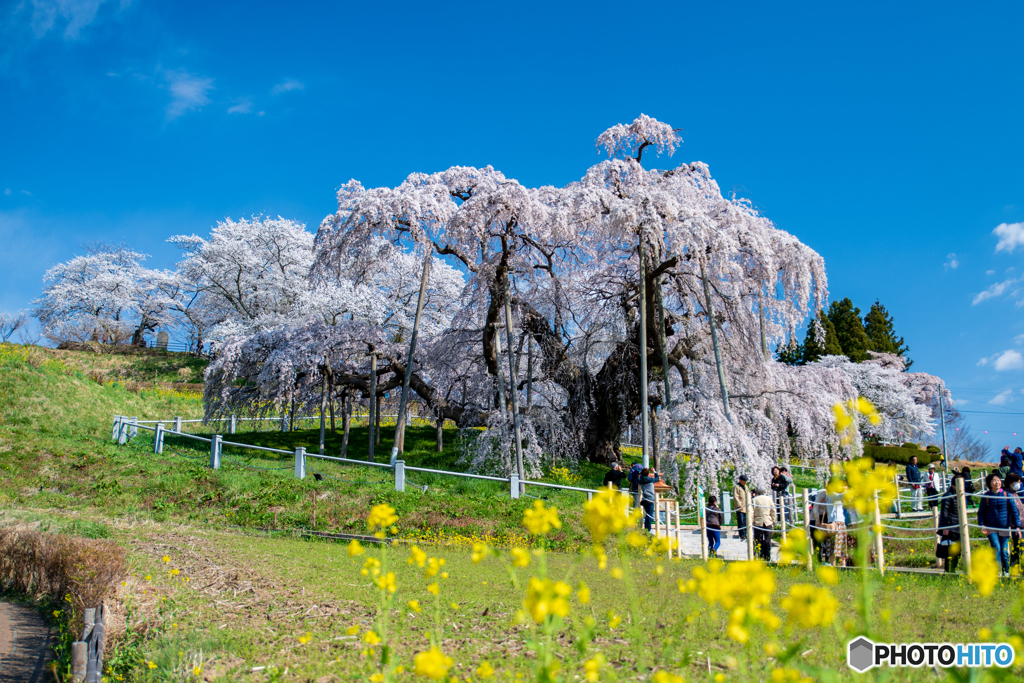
point(899, 506)
point(782, 507)
point(117, 428)
point(657, 514)
point(807, 530)
point(750, 527)
point(965, 538)
point(679, 532)
point(879, 546)
point(939, 562)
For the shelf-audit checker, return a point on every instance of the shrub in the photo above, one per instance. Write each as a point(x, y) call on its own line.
point(934, 449)
point(911, 444)
point(900, 454)
point(56, 567)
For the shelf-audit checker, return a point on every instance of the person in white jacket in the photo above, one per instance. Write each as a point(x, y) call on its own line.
point(764, 522)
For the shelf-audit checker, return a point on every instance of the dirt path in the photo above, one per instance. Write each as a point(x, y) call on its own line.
point(25, 645)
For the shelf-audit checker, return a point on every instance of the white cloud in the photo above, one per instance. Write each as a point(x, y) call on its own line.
point(26, 192)
point(951, 262)
point(77, 13)
point(1001, 399)
point(1008, 360)
point(1011, 236)
point(287, 86)
point(188, 93)
point(7, 191)
point(993, 291)
point(990, 272)
point(243, 107)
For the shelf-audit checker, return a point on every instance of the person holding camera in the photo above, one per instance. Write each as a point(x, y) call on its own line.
point(647, 479)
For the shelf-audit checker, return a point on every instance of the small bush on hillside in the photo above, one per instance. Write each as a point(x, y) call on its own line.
point(900, 455)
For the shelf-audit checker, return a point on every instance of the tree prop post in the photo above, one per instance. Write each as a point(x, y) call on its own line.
point(643, 356)
point(399, 445)
point(513, 382)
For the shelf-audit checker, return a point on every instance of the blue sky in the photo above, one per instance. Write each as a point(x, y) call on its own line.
point(887, 136)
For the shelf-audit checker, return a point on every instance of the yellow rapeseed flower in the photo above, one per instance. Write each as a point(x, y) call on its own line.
point(593, 666)
point(416, 557)
point(355, 548)
point(381, 516)
point(434, 565)
point(306, 638)
point(485, 670)
point(371, 638)
point(613, 620)
point(666, 677)
point(810, 606)
point(352, 630)
point(386, 582)
point(432, 664)
point(863, 480)
point(793, 548)
point(480, 551)
point(984, 570)
point(744, 588)
point(371, 567)
point(434, 588)
point(414, 605)
point(545, 597)
point(539, 520)
point(829, 575)
point(583, 593)
point(520, 557)
point(607, 513)
point(151, 665)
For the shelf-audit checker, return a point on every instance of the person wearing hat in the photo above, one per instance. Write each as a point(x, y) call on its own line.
point(931, 486)
point(740, 498)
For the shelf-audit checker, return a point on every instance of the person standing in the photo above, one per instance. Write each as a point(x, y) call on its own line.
point(835, 547)
point(914, 478)
point(1012, 485)
point(634, 483)
point(778, 486)
point(997, 516)
point(787, 498)
point(1015, 460)
point(948, 548)
point(740, 498)
point(713, 522)
point(647, 479)
point(931, 486)
point(614, 477)
point(764, 522)
point(969, 489)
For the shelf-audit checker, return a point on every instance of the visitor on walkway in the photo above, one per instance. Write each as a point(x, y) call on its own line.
point(948, 548)
point(916, 492)
point(634, 483)
point(713, 522)
point(646, 480)
point(780, 488)
point(1004, 466)
point(613, 479)
point(1015, 460)
point(835, 547)
point(931, 487)
point(764, 522)
point(1012, 486)
point(788, 502)
point(740, 498)
point(969, 488)
point(997, 516)
point(819, 517)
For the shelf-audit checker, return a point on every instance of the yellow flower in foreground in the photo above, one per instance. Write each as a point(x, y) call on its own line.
point(545, 597)
point(352, 630)
point(829, 575)
point(355, 548)
point(539, 520)
point(432, 664)
point(485, 670)
point(371, 638)
point(386, 582)
point(480, 551)
point(520, 557)
point(613, 620)
point(607, 513)
point(810, 606)
point(165, 559)
point(382, 516)
point(306, 638)
point(434, 588)
point(745, 588)
point(417, 557)
point(592, 667)
point(414, 605)
point(666, 677)
point(793, 548)
point(984, 570)
point(863, 480)
point(783, 675)
point(151, 665)
point(583, 593)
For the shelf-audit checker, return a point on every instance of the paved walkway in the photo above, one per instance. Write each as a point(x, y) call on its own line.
point(25, 645)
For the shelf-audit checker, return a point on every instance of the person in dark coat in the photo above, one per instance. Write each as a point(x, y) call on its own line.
point(949, 523)
point(614, 477)
point(1012, 486)
point(713, 517)
point(997, 515)
point(1015, 460)
point(969, 488)
point(916, 492)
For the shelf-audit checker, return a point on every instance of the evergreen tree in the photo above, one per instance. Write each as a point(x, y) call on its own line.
point(849, 329)
point(789, 353)
point(814, 348)
point(879, 327)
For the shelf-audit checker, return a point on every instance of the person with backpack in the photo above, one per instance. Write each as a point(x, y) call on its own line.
point(713, 524)
point(969, 489)
point(1012, 485)
point(634, 483)
point(997, 517)
point(948, 548)
point(916, 492)
point(1015, 460)
point(763, 522)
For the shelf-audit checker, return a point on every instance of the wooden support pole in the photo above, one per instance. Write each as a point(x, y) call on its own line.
point(899, 506)
point(807, 530)
point(657, 514)
point(702, 527)
point(965, 539)
point(750, 527)
point(935, 526)
point(403, 406)
point(373, 399)
point(877, 531)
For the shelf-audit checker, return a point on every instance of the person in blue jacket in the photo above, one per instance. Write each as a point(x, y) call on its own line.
point(1016, 460)
point(997, 516)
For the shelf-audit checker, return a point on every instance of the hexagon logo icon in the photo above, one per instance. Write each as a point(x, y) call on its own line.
point(860, 654)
